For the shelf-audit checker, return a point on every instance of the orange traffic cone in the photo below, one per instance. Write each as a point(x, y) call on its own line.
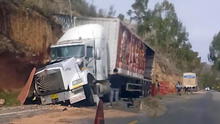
point(99, 118)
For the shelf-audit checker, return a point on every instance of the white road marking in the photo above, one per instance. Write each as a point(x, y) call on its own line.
point(19, 112)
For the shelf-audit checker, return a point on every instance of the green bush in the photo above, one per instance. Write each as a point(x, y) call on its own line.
point(10, 98)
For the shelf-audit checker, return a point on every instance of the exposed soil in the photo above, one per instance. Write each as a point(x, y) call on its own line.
point(25, 36)
point(71, 115)
point(165, 71)
point(13, 73)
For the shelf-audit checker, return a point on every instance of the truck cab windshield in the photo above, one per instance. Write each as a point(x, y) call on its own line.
point(65, 52)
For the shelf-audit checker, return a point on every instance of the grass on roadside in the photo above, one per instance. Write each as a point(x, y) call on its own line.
point(10, 97)
point(159, 97)
point(152, 106)
point(151, 102)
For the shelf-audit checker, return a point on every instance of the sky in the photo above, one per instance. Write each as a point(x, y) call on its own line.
point(200, 17)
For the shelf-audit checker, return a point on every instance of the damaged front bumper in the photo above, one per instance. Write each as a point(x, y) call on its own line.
point(73, 96)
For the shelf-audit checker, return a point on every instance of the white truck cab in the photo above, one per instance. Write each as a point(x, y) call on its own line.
point(89, 39)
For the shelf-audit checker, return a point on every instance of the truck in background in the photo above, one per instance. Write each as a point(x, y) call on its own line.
point(190, 80)
point(84, 58)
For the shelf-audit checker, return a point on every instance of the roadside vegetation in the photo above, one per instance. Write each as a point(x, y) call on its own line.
point(66, 7)
point(10, 97)
point(213, 77)
point(152, 107)
point(162, 28)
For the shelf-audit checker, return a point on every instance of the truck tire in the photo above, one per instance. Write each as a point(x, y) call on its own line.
point(106, 97)
point(89, 95)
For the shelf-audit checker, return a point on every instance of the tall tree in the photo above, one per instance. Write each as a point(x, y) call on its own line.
point(162, 28)
point(121, 17)
point(214, 51)
point(139, 10)
point(111, 11)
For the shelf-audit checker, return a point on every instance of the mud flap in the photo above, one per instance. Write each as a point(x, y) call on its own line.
point(25, 90)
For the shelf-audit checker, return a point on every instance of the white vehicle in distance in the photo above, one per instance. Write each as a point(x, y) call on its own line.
point(207, 88)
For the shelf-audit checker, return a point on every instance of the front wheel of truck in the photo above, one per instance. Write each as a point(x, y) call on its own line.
point(89, 95)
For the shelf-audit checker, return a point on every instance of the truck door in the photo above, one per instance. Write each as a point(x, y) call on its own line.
point(90, 59)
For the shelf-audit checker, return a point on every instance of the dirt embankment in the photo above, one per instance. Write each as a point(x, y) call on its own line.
point(164, 70)
point(25, 36)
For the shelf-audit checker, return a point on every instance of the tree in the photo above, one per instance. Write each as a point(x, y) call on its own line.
point(111, 11)
point(207, 80)
point(101, 13)
point(214, 51)
point(163, 22)
point(121, 17)
point(139, 11)
point(163, 30)
point(92, 11)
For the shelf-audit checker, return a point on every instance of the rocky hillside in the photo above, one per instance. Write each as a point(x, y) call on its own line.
point(25, 36)
point(165, 71)
point(50, 7)
point(27, 29)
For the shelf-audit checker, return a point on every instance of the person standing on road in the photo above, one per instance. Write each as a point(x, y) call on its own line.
point(178, 88)
point(158, 86)
point(116, 82)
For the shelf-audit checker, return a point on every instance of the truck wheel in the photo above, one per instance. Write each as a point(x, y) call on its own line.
point(106, 97)
point(89, 95)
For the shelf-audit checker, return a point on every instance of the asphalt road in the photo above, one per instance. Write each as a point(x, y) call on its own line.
point(9, 113)
point(201, 108)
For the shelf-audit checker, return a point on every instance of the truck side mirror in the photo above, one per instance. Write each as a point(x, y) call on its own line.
point(97, 54)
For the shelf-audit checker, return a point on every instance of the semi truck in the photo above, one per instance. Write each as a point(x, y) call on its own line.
point(84, 58)
point(189, 80)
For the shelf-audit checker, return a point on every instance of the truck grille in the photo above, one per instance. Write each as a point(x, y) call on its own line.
point(49, 82)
